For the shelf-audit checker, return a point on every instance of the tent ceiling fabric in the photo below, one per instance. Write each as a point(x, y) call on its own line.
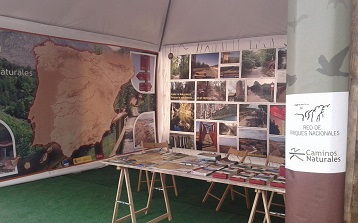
point(188, 21)
point(193, 21)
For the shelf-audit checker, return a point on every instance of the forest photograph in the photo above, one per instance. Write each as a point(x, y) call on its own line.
point(217, 111)
point(211, 91)
point(258, 63)
point(182, 117)
point(179, 67)
point(182, 90)
point(181, 140)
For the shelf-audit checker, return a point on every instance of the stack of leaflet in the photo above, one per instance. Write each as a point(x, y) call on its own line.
point(227, 162)
point(224, 173)
point(262, 179)
point(209, 156)
point(215, 166)
point(236, 169)
point(207, 170)
point(242, 176)
point(202, 171)
point(195, 162)
point(271, 171)
point(279, 182)
point(241, 167)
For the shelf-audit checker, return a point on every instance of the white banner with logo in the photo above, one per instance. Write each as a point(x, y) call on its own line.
point(316, 132)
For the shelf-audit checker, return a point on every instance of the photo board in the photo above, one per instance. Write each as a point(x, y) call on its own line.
point(229, 94)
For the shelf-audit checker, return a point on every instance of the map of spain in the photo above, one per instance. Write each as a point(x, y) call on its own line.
point(73, 104)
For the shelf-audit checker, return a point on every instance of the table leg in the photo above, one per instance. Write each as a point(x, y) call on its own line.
point(165, 193)
point(129, 194)
point(150, 192)
point(264, 201)
point(269, 203)
point(254, 206)
point(221, 201)
point(118, 196)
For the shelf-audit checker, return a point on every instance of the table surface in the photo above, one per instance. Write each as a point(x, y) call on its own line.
point(209, 178)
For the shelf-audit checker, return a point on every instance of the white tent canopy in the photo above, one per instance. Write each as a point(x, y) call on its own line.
point(147, 24)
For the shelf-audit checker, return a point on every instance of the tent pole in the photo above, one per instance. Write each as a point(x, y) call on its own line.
point(164, 26)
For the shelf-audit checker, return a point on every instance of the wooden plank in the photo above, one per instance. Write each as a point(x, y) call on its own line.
point(351, 195)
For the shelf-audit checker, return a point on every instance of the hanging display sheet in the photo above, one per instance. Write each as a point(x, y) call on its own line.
point(65, 102)
point(316, 132)
point(229, 94)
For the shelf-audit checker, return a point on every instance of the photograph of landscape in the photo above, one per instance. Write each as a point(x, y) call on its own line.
point(253, 115)
point(211, 90)
point(181, 140)
point(281, 93)
point(258, 63)
point(225, 144)
point(225, 112)
point(230, 57)
point(253, 140)
point(204, 65)
point(236, 90)
point(179, 67)
point(182, 90)
point(281, 62)
point(145, 128)
point(228, 128)
point(277, 119)
point(230, 72)
point(8, 159)
point(182, 117)
point(206, 136)
point(260, 90)
point(277, 146)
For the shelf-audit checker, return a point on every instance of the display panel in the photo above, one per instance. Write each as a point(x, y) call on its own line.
point(237, 95)
point(65, 102)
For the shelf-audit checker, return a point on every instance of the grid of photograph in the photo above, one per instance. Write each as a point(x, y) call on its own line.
point(233, 99)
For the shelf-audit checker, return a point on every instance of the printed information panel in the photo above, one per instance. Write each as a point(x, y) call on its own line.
point(316, 132)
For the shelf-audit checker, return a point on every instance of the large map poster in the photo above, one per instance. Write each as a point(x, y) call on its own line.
point(64, 102)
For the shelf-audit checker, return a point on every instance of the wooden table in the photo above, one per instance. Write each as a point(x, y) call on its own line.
point(260, 191)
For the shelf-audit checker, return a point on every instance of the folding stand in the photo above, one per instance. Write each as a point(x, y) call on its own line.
point(124, 175)
point(254, 206)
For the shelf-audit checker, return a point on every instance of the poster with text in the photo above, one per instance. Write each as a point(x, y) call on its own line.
point(63, 101)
